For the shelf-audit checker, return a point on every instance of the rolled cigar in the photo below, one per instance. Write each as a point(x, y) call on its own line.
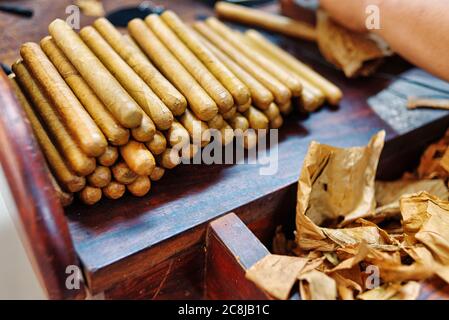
point(157, 174)
point(311, 97)
point(123, 174)
point(244, 107)
point(238, 122)
point(90, 195)
point(69, 181)
point(286, 108)
point(416, 102)
point(109, 157)
point(112, 129)
point(140, 187)
point(198, 130)
point(177, 136)
point(78, 161)
point(134, 85)
point(250, 139)
point(261, 96)
point(237, 88)
point(210, 84)
point(257, 120)
point(114, 190)
point(77, 121)
point(169, 158)
point(138, 158)
point(105, 86)
point(100, 178)
point(136, 59)
point(65, 198)
point(230, 113)
point(201, 104)
point(262, 19)
point(280, 92)
point(216, 122)
point(189, 151)
point(274, 116)
point(158, 144)
point(227, 134)
point(332, 92)
point(277, 122)
point(146, 131)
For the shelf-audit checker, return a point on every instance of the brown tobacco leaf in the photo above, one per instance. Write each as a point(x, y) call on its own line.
point(384, 292)
point(315, 285)
point(334, 183)
point(388, 194)
point(276, 274)
point(362, 252)
point(356, 54)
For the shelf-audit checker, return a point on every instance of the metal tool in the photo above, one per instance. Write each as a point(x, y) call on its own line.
point(14, 9)
point(122, 16)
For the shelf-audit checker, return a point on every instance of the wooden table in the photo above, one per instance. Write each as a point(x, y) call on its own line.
point(153, 247)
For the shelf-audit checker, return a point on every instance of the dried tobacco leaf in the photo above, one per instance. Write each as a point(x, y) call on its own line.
point(356, 54)
point(276, 274)
point(315, 285)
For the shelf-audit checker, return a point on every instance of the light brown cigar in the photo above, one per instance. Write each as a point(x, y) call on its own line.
point(69, 181)
point(331, 91)
point(123, 174)
point(257, 120)
point(265, 20)
point(238, 122)
point(286, 108)
point(112, 129)
point(136, 59)
point(311, 97)
point(105, 86)
point(157, 174)
point(114, 190)
point(80, 163)
point(65, 198)
point(230, 113)
point(277, 122)
point(216, 122)
point(244, 107)
point(416, 102)
point(100, 177)
point(109, 157)
point(227, 134)
point(238, 90)
point(138, 158)
point(289, 79)
point(77, 121)
point(146, 131)
point(210, 84)
point(280, 92)
point(158, 144)
point(201, 104)
point(169, 158)
point(250, 139)
point(177, 136)
point(134, 85)
point(198, 130)
point(140, 187)
point(90, 195)
point(189, 151)
point(272, 111)
point(261, 96)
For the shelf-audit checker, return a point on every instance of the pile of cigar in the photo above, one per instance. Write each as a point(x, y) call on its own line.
point(112, 112)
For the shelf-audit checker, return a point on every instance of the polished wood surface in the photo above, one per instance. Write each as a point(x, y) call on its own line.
point(141, 247)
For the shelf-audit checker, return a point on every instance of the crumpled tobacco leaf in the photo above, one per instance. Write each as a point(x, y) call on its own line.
point(334, 183)
point(276, 274)
point(315, 285)
point(356, 54)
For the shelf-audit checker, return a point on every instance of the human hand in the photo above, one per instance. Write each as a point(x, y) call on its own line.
point(349, 13)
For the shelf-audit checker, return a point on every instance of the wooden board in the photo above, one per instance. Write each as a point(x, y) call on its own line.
point(118, 242)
